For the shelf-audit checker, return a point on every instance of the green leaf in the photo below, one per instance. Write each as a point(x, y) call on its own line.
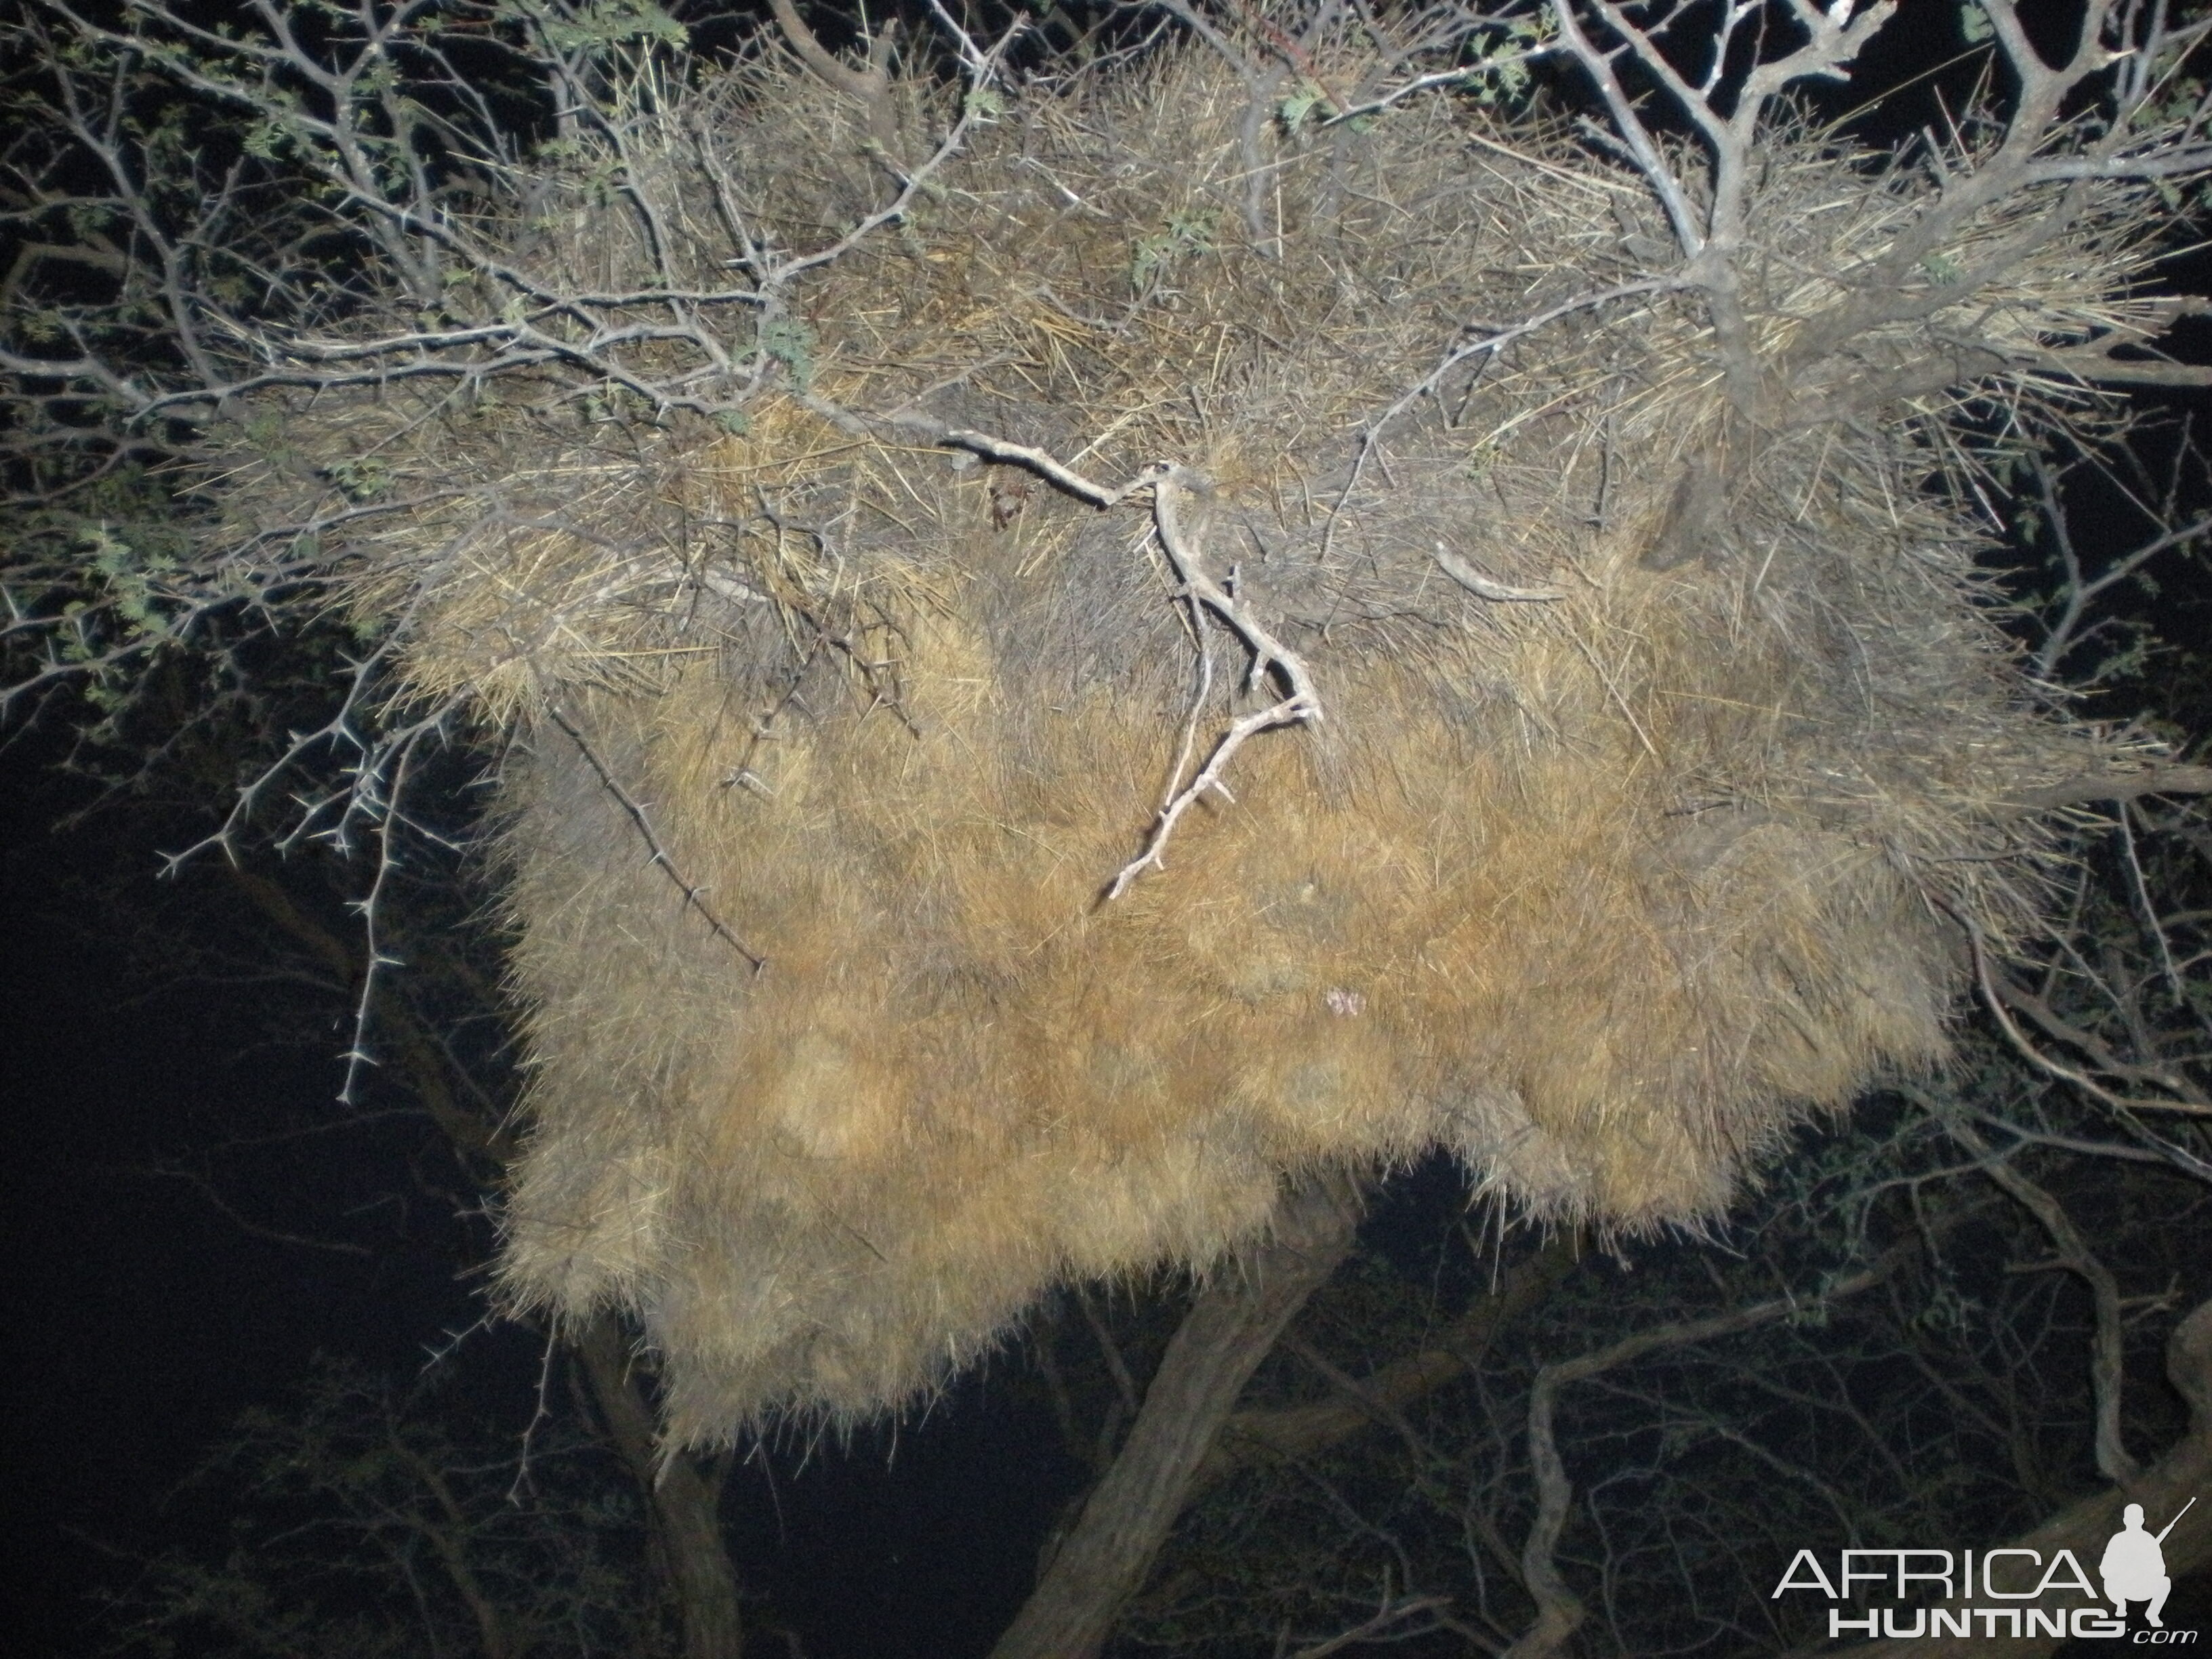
point(792, 343)
point(359, 480)
point(1301, 102)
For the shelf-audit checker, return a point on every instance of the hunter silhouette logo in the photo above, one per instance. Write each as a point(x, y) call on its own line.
point(2133, 1567)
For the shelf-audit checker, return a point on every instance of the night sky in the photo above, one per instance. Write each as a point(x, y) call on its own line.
point(142, 1321)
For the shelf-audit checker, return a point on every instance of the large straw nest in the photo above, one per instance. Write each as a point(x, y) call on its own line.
point(1603, 893)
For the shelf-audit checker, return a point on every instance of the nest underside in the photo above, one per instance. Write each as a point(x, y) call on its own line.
point(1602, 890)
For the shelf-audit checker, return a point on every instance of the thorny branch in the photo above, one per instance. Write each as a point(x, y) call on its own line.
point(386, 146)
point(378, 153)
point(1708, 1465)
point(362, 143)
point(1173, 490)
point(1723, 76)
point(694, 897)
point(1488, 341)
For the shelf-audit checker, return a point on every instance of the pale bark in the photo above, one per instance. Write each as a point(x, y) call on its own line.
point(686, 1500)
point(1231, 1328)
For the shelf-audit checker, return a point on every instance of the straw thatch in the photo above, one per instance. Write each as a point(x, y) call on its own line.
point(1603, 891)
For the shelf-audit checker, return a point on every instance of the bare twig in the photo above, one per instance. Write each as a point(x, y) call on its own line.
point(1391, 1616)
point(2001, 997)
point(1174, 489)
point(694, 897)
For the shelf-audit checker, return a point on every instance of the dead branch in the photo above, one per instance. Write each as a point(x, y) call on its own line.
point(1176, 489)
point(1489, 588)
point(2130, 786)
point(1173, 490)
point(2002, 999)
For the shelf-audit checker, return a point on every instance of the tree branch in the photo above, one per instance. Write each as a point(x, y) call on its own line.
point(1559, 1613)
point(1260, 1434)
point(1231, 1328)
point(2184, 1472)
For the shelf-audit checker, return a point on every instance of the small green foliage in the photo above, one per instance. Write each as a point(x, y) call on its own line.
point(1500, 70)
point(131, 553)
point(359, 480)
point(1190, 230)
point(600, 24)
point(1300, 103)
point(984, 104)
point(267, 140)
point(1941, 267)
point(1974, 24)
point(734, 422)
point(792, 343)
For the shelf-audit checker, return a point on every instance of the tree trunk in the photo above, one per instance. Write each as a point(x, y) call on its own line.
point(2184, 1472)
point(1230, 1329)
point(1280, 1433)
point(686, 1502)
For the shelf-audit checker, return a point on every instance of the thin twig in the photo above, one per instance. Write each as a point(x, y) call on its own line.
point(693, 895)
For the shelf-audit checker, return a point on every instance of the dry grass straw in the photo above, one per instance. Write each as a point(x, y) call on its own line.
point(1602, 894)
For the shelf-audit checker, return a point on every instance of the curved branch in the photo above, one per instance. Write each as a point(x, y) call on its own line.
point(1559, 1613)
point(871, 86)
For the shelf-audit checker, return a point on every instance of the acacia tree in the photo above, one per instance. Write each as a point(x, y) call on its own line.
point(322, 202)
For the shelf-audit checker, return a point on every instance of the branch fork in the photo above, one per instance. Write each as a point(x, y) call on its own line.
point(1177, 492)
